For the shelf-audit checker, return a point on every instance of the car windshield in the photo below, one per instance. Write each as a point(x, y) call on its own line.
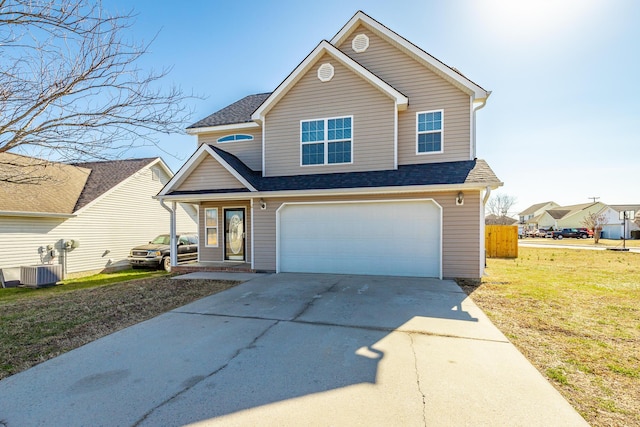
point(162, 239)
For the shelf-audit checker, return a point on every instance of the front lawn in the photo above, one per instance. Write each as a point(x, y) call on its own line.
point(39, 324)
point(575, 314)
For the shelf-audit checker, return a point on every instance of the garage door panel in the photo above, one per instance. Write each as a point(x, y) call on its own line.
point(388, 238)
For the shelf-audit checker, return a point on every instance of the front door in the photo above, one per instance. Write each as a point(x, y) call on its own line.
point(234, 234)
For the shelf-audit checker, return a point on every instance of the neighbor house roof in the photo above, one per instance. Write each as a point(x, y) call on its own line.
point(238, 112)
point(567, 211)
point(105, 175)
point(533, 208)
point(448, 173)
point(51, 188)
point(60, 189)
point(621, 208)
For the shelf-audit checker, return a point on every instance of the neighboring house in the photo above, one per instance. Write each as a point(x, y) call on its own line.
point(572, 216)
point(530, 216)
point(614, 227)
point(363, 160)
point(493, 219)
point(106, 208)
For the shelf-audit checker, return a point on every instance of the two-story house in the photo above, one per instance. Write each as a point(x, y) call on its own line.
point(363, 161)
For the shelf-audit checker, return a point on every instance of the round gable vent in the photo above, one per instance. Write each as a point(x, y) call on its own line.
point(325, 72)
point(360, 43)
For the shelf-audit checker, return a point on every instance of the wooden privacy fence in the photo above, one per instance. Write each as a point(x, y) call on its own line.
point(501, 241)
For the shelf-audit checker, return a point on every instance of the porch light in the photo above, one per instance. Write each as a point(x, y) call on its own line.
point(263, 204)
point(460, 199)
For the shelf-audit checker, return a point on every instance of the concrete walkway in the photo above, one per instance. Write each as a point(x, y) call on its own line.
point(297, 349)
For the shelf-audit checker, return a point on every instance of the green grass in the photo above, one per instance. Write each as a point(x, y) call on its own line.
point(102, 279)
point(575, 314)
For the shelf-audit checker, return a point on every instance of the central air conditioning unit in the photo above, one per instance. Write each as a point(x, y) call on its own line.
point(40, 275)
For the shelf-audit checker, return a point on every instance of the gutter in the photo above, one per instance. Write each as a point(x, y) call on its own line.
point(37, 214)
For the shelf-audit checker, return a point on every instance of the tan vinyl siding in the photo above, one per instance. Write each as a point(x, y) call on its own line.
point(461, 238)
point(250, 152)
point(209, 175)
point(126, 217)
point(426, 92)
point(216, 254)
point(347, 94)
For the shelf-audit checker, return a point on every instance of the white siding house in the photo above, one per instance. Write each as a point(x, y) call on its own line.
point(113, 212)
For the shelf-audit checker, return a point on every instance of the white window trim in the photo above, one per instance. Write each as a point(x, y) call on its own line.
point(326, 141)
point(420, 153)
point(235, 140)
point(217, 227)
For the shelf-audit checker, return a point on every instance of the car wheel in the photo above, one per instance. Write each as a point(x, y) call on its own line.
point(584, 236)
point(166, 264)
point(560, 237)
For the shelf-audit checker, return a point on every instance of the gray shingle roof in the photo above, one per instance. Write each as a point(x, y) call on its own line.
point(533, 208)
point(238, 112)
point(105, 175)
point(463, 172)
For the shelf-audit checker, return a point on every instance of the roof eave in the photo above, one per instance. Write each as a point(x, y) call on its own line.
point(222, 128)
point(360, 191)
point(37, 214)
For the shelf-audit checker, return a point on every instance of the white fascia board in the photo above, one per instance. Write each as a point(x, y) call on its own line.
point(222, 128)
point(433, 63)
point(37, 214)
point(325, 47)
point(191, 198)
point(195, 159)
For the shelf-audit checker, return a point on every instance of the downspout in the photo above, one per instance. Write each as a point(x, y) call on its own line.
point(172, 232)
point(485, 199)
point(479, 107)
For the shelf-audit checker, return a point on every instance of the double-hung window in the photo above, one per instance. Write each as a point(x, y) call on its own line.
point(326, 141)
point(429, 131)
point(211, 226)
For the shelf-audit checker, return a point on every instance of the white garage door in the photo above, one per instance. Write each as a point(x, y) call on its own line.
point(381, 238)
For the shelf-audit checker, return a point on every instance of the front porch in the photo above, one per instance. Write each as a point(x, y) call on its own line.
point(238, 267)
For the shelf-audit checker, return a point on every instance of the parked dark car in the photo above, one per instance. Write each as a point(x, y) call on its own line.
point(156, 253)
point(568, 232)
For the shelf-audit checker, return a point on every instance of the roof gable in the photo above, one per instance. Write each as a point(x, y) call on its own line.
point(448, 73)
point(531, 210)
point(194, 161)
point(105, 175)
point(326, 48)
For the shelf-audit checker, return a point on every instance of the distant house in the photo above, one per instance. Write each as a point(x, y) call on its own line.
point(572, 216)
point(614, 227)
point(529, 217)
point(493, 219)
point(362, 161)
point(85, 216)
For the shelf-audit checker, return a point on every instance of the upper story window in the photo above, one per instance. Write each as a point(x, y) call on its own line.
point(236, 137)
point(429, 131)
point(326, 141)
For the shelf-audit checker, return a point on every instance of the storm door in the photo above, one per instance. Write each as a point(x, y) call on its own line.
point(234, 242)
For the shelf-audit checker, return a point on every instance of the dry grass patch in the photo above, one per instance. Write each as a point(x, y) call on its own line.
point(37, 326)
point(575, 314)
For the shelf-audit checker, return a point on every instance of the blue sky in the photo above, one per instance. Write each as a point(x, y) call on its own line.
point(563, 119)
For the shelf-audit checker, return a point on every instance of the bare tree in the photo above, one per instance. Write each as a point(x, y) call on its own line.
point(595, 221)
point(498, 208)
point(71, 88)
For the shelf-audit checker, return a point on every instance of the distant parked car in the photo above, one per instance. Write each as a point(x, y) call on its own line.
point(586, 230)
point(157, 253)
point(540, 232)
point(568, 232)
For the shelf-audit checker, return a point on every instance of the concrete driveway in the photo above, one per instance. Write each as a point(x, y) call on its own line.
point(297, 349)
